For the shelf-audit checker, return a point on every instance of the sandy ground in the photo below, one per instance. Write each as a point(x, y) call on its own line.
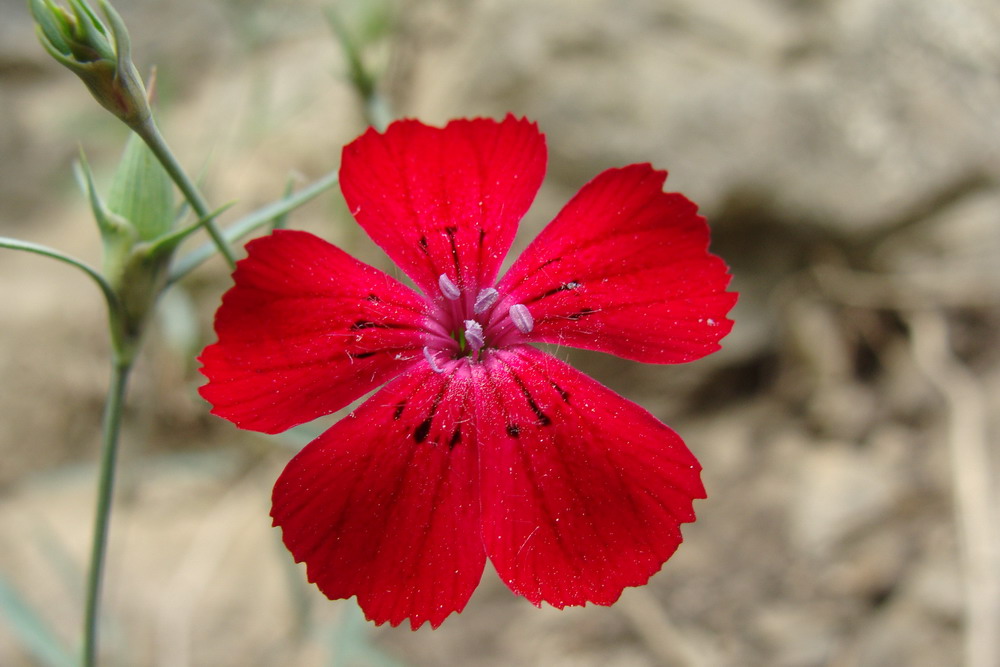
point(847, 157)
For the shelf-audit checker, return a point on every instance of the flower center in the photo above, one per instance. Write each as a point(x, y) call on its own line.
point(464, 322)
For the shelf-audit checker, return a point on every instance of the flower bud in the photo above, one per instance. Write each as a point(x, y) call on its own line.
point(142, 192)
point(99, 55)
point(136, 224)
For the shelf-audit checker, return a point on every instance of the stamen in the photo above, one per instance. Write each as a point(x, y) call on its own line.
point(522, 318)
point(448, 288)
point(486, 298)
point(474, 334)
point(429, 356)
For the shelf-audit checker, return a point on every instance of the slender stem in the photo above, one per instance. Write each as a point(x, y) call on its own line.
point(374, 106)
point(116, 311)
point(377, 110)
point(149, 133)
point(45, 251)
point(111, 427)
point(281, 221)
point(253, 221)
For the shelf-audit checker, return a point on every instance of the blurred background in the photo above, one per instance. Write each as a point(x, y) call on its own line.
point(847, 155)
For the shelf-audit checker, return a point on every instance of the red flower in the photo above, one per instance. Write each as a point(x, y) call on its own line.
point(479, 445)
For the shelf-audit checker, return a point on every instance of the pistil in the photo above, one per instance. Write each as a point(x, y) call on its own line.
point(432, 360)
point(474, 336)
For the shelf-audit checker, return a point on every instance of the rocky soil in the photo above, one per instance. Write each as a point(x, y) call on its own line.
point(847, 155)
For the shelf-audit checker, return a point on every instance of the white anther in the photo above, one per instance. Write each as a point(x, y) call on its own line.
point(522, 318)
point(474, 334)
point(429, 356)
point(448, 288)
point(486, 298)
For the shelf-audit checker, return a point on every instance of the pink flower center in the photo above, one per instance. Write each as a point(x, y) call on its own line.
point(463, 323)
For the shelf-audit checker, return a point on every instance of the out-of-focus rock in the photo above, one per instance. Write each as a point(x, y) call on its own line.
point(845, 114)
point(841, 490)
point(949, 257)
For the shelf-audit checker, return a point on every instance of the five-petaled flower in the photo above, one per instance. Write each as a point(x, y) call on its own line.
point(480, 445)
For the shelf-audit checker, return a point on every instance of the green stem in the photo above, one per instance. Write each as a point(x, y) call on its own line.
point(378, 112)
point(251, 222)
point(111, 427)
point(114, 305)
point(376, 109)
point(149, 133)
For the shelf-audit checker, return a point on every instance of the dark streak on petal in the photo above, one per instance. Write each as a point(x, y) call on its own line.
point(374, 298)
point(364, 355)
point(456, 438)
point(583, 312)
point(451, 231)
point(398, 412)
point(423, 245)
point(368, 324)
point(423, 429)
point(513, 430)
point(543, 419)
point(562, 392)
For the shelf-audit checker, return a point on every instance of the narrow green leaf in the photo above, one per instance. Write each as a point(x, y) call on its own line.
point(281, 221)
point(111, 225)
point(253, 221)
point(168, 242)
point(114, 305)
point(31, 630)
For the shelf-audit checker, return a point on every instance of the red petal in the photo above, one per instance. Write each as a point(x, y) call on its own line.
point(445, 201)
point(624, 268)
point(583, 492)
point(305, 330)
point(385, 505)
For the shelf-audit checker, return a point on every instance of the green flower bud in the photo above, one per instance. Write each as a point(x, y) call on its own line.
point(142, 192)
point(99, 55)
point(136, 224)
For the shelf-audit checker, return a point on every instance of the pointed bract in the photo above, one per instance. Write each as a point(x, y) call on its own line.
point(142, 192)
